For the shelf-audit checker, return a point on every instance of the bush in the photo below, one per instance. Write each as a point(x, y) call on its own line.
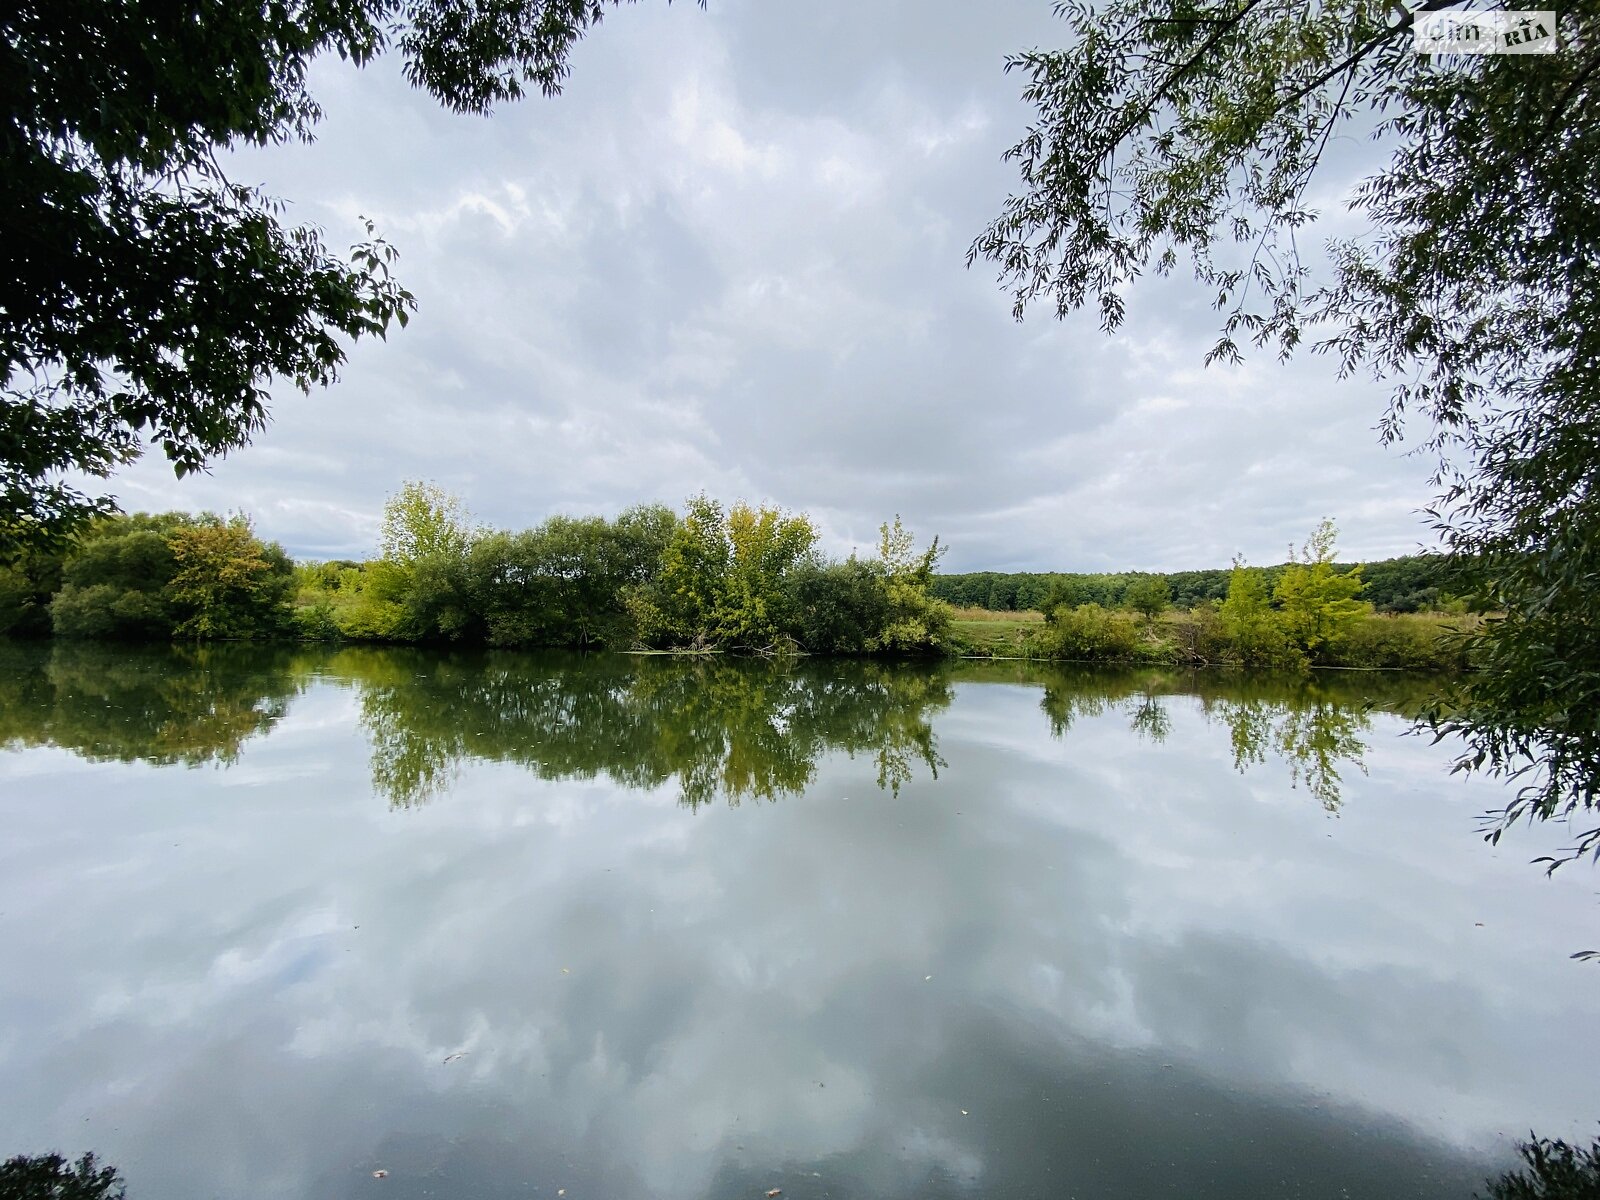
point(114, 585)
point(1411, 641)
point(1087, 633)
point(837, 608)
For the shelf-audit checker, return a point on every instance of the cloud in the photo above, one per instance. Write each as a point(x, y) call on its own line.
point(731, 258)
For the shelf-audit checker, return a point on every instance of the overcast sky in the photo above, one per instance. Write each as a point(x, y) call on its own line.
point(731, 257)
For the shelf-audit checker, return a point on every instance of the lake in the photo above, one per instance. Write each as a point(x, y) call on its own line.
point(275, 920)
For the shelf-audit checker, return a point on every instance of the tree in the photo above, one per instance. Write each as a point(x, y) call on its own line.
point(1148, 595)
point(417, 588)
point(51, 1177)
point(1317, 604)
point(764, 545)
point(680, 607)
point(145, 298)
point(1554, 1171)
point(114, 584)
point(916, 622)
point(227, 583)
point(1180, 129)
point(420, 520)
point(1248, 622)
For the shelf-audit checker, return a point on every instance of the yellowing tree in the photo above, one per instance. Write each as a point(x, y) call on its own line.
point(764, 545)
point(1317, 605)
point(228, 584)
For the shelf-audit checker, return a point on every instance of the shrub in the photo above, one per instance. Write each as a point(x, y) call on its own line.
point(1087, 633)
point(837, 608)
point(1412, 641)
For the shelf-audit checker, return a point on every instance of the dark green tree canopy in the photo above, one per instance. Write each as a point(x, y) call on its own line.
point(147, 300)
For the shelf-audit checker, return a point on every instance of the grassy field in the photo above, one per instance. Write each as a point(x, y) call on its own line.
point(983, 631)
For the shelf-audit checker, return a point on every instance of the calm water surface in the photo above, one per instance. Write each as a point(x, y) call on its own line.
point(509, 925)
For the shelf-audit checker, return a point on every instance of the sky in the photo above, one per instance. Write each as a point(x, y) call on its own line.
point(730, 258)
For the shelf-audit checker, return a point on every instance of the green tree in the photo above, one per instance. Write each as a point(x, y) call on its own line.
point(1173, 130)
point(1148, 595)
point(916, 622)
point(145, 297)
point(681, 607)
point(417, 589)
point(52, 1177)
point(27, 585)
point(420, 520)
point(764, 545)
point(567, 582)
point(114, 583)
point(837, 608)
point(1248, 621)
point(1318, 604)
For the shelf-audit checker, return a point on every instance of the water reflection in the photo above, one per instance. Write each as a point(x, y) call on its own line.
point(180, 705)
point(714, 728)
point(1091, 964)
point(1317, 725)
point(718, 728)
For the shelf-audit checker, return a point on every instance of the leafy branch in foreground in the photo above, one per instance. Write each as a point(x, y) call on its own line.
point(147, 300)
point(1180, 130)
point(1554, 1171)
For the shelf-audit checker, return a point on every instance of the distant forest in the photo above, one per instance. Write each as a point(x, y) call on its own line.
point(1414, 583)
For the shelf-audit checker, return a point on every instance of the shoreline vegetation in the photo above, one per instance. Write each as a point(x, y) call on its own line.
point(716, 579)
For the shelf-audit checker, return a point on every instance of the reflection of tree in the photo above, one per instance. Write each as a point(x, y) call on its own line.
point(1314, 736)
point(1150, 719)
point(181, 704)
point(1315, 724)
point(717, 727)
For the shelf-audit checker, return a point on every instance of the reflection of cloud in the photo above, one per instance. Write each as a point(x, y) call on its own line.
point(1138, 964)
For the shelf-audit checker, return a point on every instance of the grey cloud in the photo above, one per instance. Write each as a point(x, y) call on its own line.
point(730, 258)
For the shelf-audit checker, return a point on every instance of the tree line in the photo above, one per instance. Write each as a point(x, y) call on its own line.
point(1410, 583)
point(1307, 612)
point(711, 578)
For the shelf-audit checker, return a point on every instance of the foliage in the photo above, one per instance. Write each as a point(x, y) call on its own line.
point(724, 578)
point(567, 582)
point(114, 585)
point(1554, 1171)
point(422, 520)
point(1412, 583)
point(27, 585)
point(227, 583)
point(52, 1177)
point(1088, 633)
point(1177, 131)
point(1249, 624)
point(146, 296)
point(147, 577)
point(1409, 641)
point(917, 622)
point(1148, 595)
point(764, 545)
point(1318, 605)
point(836, 608)
point(682, 606)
